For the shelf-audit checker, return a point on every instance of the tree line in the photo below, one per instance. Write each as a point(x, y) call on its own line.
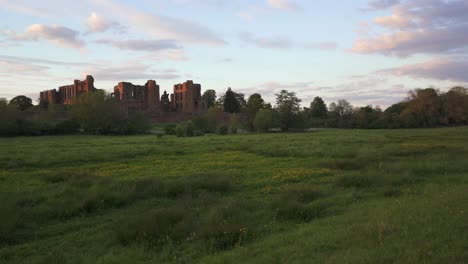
point(99, 113)
point(422, 108)
point(92, 113)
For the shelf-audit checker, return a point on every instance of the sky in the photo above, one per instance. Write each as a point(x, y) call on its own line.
point(368, 52)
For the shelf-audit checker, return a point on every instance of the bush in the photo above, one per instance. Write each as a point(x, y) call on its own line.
point(223, 130)
point(186, 129)
point(233, 130)
point(265, 119)
point(137, 123)
point(67, 127)
point(199, 133)
point(233, 123)
point(170, 129)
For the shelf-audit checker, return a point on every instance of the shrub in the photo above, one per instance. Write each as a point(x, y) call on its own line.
point(199, 133)
point(186, 129)
point(233, 123)
point(137, 123)
point(265, 119)
point(170, 129)
point(223, 130)
point(67, 127)
point(233, 130)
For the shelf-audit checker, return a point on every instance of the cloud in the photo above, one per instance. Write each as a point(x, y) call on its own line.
point(275, 42)
point(29, 60)
point(19, 68)
point(122, 72)
point(381, 4)
point(406, 43)
point(162, 27)
point(59, 35)
point(367, 89)
point(140, 44)
point(96, 23)
point(447, 69)
point(283, 5)
point(322, 45)
point(224, 60)
point(419, 27)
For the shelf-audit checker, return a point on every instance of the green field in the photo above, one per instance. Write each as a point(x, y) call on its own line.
point(344, 196)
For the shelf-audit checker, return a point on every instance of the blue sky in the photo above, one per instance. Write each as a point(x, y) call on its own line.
point(369, 52)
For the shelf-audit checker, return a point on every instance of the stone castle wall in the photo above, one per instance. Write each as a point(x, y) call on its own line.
point(185, 101)
point(68, 93)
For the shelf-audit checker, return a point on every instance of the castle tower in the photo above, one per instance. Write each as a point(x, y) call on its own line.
point(187, 98)
point(152, 95)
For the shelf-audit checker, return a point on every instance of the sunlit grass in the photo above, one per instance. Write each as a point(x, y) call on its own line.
point(331, 196)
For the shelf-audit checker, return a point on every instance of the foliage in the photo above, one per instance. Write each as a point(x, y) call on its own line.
point(233, 123)
point(265, 120)
point(255, 103)
point(165, 102)
point(209, 122)
point(232, 102)
point(223, 130)
point(318, 108)
point(187, 129)
point(170, 129)
point(423, 108)
point(287, 105)
point(209, 97)
point(111, 118)
point(21, 102)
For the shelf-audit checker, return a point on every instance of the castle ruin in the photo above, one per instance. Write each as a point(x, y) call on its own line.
point(138, 97)
point(186, 98)
point(68, 93)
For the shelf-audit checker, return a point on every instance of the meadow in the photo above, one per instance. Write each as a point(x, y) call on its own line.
point(337, 196)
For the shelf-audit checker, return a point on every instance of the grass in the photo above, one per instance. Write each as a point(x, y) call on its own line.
point(342, 196)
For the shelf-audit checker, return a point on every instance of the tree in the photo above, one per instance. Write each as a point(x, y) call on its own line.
point(367, 117)
point(265, 119)
point(165, 102)
point(240, 98)
point(318, 108)
point(209, 97)
point(230, 104)
point(255, 103)
point(423, 108)
point(3, 103)
point(341, 113)
point(98, 113)
point(21, 102)
point(343, 108)
point(288, 106)
point(455, 106)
